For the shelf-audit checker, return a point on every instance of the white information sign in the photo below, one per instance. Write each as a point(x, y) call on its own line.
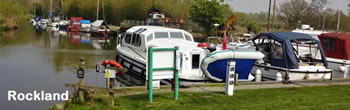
point(162, 59)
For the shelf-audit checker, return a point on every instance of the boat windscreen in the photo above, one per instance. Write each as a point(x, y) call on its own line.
point(176, 35)
point(161, 35)
point(306, 51)
point(188, 37)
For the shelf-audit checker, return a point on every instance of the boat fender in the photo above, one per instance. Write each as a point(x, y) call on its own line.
point(278, 76)
point(114, 63)
point(258, 75)
point(342, 68)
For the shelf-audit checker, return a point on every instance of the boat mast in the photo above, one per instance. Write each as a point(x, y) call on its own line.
point(340, 2)
point(50, 8)
point(98, 1)
point(103, 10)
point(35, 8)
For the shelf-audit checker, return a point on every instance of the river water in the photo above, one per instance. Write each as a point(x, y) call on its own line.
point(45, 60)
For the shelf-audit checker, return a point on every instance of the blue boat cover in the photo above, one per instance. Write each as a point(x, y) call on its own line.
point(85, 22)
point(37, 18)
point(285, 39)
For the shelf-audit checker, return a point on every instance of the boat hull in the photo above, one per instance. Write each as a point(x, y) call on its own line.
point(243, 66)
point(214, 65)
point(270, 73)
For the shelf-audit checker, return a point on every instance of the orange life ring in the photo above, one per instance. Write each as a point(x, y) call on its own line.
point(114, 63)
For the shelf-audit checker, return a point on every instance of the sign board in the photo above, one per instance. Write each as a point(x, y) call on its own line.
point(162, 59)
point(80, 73)
point(110, 73)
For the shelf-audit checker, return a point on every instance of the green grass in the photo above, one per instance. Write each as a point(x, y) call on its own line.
point(307, 98)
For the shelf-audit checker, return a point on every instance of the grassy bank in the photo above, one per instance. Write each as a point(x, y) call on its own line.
point(12, 13)
point(327, 98)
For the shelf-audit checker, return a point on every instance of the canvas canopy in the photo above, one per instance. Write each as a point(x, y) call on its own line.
point(75, 19)
point(289, 59)
point(336, 45)
point(85, 22)
point(99, 24)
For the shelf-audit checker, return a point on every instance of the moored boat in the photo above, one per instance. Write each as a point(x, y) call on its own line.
point(85, 26)
point(75, 24)
point(285, 54)
point(100, 27)
point(214, 65)
point(337, 50)
point(131, 52)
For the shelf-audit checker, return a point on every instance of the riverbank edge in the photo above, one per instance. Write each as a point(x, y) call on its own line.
point(219, 87)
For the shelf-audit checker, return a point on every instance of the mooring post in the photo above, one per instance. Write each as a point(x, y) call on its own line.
point(111, 93)
point(80, 75)
point(230, 77)
point(176, 76)
point(150, 70)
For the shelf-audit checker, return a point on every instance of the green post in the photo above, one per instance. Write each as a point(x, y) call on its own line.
point(150, 79)
point(176, 76)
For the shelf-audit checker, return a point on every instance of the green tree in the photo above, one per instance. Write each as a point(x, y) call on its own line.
point(207, 13)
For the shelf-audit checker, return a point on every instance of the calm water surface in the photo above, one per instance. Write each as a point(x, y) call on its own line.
point(45, 60)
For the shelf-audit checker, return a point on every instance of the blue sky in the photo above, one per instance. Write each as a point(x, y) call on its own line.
point(255, 6)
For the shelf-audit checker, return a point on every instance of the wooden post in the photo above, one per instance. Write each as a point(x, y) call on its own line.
point(81, 80)
point(236, 79)
point(111, 93)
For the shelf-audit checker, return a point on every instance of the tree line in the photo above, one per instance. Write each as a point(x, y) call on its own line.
point(290, 14)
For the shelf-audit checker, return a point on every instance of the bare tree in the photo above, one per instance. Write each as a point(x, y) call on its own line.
point(293, 11)
point(316, 12)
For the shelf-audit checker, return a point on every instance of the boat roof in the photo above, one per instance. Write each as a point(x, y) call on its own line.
point(85, 21)
point(99, 23)
point(76, 18)
point(344, 36)
point(312, 32)
point(285, 38)
point(153, 28)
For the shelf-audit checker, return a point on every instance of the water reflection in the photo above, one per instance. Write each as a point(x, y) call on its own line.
point(46, 58)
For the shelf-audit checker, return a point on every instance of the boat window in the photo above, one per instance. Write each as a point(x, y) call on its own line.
point(149, 37)
point(136, 40)
point(277, 50)
point(127, 38)
point(271, 48)
point(177, 35)
point(306, 51)
point(188, 37)
point(329, 44)
point(134, 37)
point(161, 35)
point(195, 61)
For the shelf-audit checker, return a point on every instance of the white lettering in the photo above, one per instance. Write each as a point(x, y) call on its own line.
point(36, 96)
point(11, 95)
point(48, 96)
point(56, 96)
point(64, 96)
point(29, 96)
point(20, 96)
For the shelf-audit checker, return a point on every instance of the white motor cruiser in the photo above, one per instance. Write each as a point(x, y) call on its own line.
point(131, 52)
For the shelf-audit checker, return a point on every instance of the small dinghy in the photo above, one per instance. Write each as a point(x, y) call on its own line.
point(214, 65)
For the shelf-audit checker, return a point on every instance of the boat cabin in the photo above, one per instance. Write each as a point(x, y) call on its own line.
point(290, 50)
point(136, 40)
point(75, 21)
point(336, 45)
